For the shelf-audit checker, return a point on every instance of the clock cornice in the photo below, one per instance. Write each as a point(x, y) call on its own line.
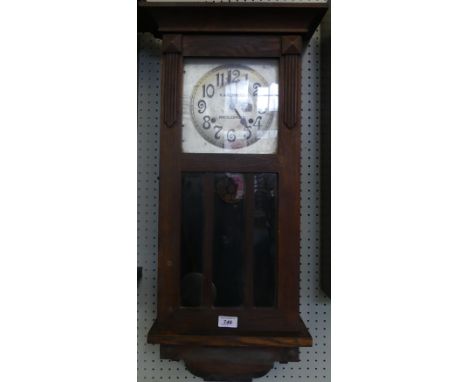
point(259, 18)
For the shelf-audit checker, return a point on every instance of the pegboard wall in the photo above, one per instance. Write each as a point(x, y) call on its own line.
point(315, 306)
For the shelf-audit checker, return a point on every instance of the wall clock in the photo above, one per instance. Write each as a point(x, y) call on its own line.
point(229, 216)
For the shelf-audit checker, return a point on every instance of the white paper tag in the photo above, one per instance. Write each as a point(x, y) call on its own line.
point(227, 322)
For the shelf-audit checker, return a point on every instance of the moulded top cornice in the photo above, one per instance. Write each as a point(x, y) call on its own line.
point(221, 18)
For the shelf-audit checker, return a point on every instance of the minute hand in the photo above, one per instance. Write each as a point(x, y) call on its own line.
point(242, 120)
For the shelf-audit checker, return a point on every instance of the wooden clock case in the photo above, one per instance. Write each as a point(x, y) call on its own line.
point(264, 335)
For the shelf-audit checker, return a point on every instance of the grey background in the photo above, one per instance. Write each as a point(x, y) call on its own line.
point(315, 306)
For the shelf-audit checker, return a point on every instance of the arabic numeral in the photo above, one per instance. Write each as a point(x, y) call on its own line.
point(257, 122)
point(218, 131)
point(256, 85)
point(248, 133)
point(201, 106)
point(220, 79)
point(233, 76)
point(231, 135)
point(206, 122)
point(208, 91)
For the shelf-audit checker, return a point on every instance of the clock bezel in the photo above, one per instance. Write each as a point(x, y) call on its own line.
point(271, 121)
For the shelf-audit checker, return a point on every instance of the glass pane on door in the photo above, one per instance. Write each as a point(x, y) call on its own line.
point(191, 259)
point(228, 239)
point(264, 234)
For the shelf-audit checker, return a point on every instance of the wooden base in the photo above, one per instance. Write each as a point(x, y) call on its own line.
point(230, 356)
point(229, 364)
point(227, 338)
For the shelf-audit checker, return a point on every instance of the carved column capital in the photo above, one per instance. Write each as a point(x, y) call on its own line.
point(291, 45)
point(172, 43)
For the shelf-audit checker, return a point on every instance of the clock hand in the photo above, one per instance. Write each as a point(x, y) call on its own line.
point(237, 112)
point(242, 120)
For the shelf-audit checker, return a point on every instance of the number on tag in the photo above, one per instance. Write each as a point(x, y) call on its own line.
point(227, 322)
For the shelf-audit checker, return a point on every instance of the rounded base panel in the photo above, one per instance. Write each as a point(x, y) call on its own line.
point(229, 364)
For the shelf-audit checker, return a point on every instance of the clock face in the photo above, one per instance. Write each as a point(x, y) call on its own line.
point(224, 108)
point(230, 106)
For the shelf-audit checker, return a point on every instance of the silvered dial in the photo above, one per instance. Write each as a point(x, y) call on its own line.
point(227, 109)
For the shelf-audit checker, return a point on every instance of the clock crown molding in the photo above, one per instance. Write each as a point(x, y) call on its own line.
point(161, 18)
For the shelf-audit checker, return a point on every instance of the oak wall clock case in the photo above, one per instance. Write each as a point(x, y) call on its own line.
point(229, 219)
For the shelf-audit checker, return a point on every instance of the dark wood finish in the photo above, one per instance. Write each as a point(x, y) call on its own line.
point(172, 43)
point(259, 319)
point(229, 162)
point(286, 163)
point(228, 46)
point(229, 364)
point(289, 150)
point(263, 335)
point(284, 355)
point(291, 47)
point(230, 338)
point(325, 154)
point(170, 189)
point(254, 18)
point(172, 67)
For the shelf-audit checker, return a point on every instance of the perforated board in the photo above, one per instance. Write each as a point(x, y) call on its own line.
point(314, 305)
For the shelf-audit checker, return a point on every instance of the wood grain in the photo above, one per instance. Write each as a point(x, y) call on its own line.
point(172, 69)
point(291, 47)
point(230, 338)
point(229, 162)
point(253, 18)
point(231, 46)
point(229, 364)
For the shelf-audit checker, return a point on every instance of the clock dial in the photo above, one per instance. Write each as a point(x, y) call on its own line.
point(224, 106)
point(230, 106)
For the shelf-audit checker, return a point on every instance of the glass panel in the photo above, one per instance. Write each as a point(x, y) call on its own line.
point(228, 240)
point(264, 236)
point(230, 106)
point(191, 259)
point(218, 201)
